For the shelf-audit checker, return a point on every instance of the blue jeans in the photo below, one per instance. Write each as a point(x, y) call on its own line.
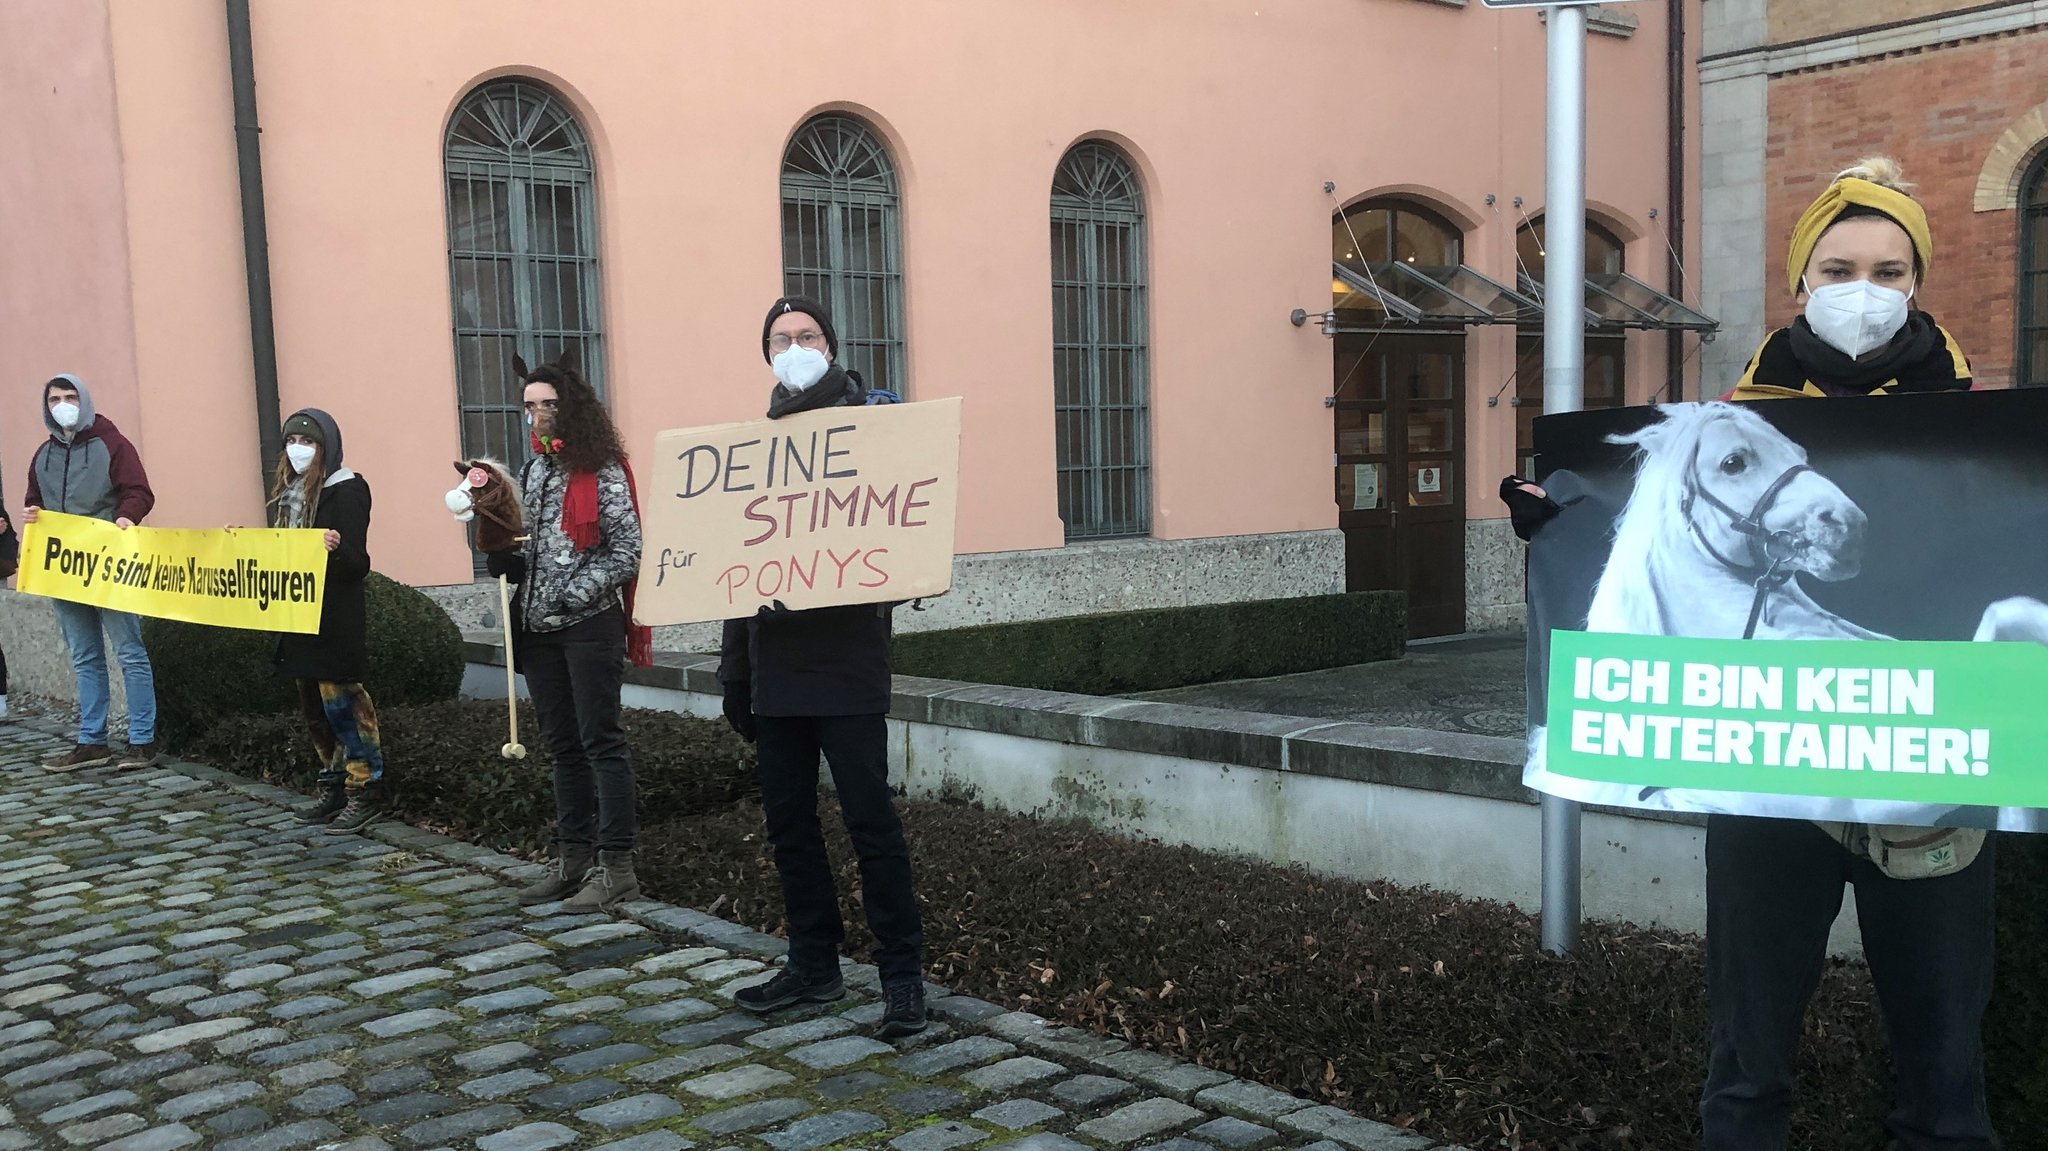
point(82, 624)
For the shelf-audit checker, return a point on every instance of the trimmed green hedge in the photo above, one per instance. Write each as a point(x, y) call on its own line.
point(442, 767)
point(2016, 1026)
point(207, 674)
point(1130, 651)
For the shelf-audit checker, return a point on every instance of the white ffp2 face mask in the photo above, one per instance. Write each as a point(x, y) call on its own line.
point(799, 367)
point(1857, 317)
point(301, 456)
point(65, 414)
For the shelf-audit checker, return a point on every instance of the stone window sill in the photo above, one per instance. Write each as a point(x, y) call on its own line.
point(1603, 21)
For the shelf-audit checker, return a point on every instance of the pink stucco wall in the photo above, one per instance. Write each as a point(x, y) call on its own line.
point(191, 302)
point(1236, 114)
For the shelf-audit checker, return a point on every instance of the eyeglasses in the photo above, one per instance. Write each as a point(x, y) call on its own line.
point(810, 339)
point(541, 405)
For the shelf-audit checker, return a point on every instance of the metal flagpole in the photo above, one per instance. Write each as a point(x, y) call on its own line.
point(1564, 383)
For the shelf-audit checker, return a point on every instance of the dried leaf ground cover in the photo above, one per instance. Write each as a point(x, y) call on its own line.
point(444, 770)
point(1407, 1006)
point(1329, 989)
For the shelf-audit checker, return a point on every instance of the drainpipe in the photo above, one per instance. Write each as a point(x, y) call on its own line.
point(255, 239)
point(1674, 173)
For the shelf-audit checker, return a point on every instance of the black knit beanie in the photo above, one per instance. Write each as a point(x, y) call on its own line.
point(808, 307)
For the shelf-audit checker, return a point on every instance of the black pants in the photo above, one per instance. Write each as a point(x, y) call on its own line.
point(857, 748)
point(1774, 887)
point(575, 675)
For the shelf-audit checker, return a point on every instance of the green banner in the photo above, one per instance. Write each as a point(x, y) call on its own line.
point(1951, 724)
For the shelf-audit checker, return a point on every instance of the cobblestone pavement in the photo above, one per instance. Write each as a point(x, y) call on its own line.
point(1471, 684)
point(183, 966)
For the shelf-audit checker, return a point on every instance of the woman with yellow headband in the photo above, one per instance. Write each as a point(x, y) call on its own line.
point(1774, 886)
point(1859, 255)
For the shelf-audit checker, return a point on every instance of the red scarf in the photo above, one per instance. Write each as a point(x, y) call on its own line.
point(579, 523)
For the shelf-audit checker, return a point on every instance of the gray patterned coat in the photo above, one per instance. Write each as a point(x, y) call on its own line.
point(563, 586)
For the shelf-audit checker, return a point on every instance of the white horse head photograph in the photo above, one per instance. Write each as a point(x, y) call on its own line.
point(1725, 519)
point(1726, 513)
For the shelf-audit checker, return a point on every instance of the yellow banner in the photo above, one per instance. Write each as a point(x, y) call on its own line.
point(262, 579)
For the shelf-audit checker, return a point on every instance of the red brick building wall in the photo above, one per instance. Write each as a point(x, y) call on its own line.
point(1939, 111)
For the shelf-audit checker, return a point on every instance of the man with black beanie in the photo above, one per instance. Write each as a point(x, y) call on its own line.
point(801, 683)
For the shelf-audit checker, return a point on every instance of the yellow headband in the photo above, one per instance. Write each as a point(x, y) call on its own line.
point(1848, 193)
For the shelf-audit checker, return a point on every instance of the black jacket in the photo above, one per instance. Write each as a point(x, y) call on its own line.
point(340, 653)
point(825, 661)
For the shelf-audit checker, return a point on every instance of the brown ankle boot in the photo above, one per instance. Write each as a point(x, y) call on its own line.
point(564, 879)
point(609, 884)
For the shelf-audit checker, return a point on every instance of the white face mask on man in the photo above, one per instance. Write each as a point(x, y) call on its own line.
point(66, 414)
point(1857, 317)
point(300, 455)
point(799, 367)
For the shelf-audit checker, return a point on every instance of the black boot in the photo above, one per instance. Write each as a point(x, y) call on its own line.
point(361, 810)
point(903, 1009)
point(326, 807)
point(791, 985)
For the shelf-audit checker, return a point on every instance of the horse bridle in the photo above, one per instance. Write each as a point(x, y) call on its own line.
point(1769, 551)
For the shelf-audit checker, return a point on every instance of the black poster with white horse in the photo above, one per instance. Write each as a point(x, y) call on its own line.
point(1820, 610)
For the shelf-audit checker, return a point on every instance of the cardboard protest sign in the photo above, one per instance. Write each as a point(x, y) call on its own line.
point(262, 579)
point(834, 506)
point(1806, 610)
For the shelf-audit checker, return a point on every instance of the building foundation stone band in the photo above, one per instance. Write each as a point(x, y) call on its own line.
point(1079, 579)
point(1495, 592)
point(38, 662)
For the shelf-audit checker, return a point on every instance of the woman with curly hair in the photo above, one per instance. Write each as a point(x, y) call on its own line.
point(573, 629)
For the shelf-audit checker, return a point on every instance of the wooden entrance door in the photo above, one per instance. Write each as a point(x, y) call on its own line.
point(1400, 404)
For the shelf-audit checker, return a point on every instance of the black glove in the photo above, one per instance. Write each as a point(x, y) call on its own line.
point(739, 708)
point(774, 607)
point(511, 565)
point(1528, 510)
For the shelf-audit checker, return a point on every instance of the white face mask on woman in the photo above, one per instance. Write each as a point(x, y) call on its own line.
point(799, 367)
point(1856, 317)
point(301, 456)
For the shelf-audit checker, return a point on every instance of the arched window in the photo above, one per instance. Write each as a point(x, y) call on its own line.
point(842, 241)
point(1401, 233)
point(2033, 294)
point(522, 253)
point(1606, 347)
point(1100, 383)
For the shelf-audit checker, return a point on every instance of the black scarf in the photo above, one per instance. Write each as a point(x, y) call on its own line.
point(1916, 360)
point(838, 387)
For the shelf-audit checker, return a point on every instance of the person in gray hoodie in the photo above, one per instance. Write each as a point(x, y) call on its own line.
point(88, 468)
